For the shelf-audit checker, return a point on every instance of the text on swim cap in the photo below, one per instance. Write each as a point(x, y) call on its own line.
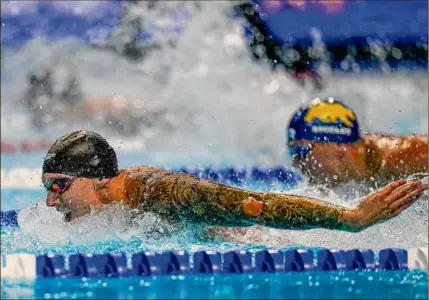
point(331, 129)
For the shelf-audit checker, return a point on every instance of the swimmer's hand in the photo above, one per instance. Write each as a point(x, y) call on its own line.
point(384, 204)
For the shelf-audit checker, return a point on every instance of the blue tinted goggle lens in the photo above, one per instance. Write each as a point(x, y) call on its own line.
point(58, 185)
point(299, 151)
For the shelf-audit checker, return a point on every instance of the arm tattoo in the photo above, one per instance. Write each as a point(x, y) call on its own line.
point(297, 212)
point(186, 196)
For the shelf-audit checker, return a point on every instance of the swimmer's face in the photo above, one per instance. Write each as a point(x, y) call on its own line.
point(330, 162)
point(74, 197)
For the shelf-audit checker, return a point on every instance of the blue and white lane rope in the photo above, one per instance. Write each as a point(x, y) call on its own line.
point(29, 266)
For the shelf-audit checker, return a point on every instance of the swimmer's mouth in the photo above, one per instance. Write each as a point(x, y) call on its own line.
point(67, 216)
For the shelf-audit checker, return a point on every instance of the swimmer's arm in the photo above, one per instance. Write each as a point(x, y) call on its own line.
point(178, 194)
point(267, 209)
point(218, 204)
point(297, 212)
point(410, 156)
point(401, 156)
point(221, 205)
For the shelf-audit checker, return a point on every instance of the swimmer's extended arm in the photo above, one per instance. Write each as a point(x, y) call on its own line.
point(400, 156)
point(221, 205)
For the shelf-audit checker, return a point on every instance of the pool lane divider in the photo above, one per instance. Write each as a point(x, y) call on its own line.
point(29, 266)
point(9, 218)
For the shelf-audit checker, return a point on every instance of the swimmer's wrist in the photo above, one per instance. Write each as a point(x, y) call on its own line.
point(349, 218)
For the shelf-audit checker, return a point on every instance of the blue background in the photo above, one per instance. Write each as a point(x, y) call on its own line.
point(380, 19)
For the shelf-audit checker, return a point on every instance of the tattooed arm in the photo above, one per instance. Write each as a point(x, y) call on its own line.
point(217, 204)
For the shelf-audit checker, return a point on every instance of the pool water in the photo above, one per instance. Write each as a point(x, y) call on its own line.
point(110, 232)
point(245, 91)
point(315, 285)
point(42, 231)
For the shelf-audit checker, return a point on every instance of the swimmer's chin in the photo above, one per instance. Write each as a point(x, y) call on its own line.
point(69, 217)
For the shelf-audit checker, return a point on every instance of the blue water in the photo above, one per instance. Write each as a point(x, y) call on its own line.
point(17, 199)
point(317, 285)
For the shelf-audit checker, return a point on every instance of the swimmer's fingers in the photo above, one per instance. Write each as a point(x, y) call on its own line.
point(393, 186)
point(402, 191)
point(401, 209)
point(388, 202)
point(409, 198)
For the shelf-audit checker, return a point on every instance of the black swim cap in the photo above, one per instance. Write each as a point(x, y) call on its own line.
point(81, 154)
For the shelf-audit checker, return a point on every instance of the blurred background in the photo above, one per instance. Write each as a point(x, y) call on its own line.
point(186, 82)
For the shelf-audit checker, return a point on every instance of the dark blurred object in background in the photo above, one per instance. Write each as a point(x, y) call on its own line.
point(263, 45)
point(349, 36)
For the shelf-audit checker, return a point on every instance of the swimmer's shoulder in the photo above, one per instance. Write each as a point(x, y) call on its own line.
point(130, 183)
point(393, 142)
point(142, 171)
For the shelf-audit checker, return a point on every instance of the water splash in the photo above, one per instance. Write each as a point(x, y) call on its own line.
point(212, 98)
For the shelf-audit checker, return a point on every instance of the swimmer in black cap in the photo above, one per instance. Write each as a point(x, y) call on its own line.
point(325, 143)
point(80, 173)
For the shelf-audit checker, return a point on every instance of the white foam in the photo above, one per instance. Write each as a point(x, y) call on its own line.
point(117, 228)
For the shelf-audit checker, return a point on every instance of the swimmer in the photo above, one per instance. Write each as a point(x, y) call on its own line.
point(326, 144)
point(54, 94)
point(80, 174)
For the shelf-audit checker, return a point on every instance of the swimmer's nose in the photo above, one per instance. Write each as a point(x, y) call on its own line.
point(52, 200)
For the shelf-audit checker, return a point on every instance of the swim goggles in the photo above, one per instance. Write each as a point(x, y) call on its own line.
point(58, 185)
point(300, 151)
